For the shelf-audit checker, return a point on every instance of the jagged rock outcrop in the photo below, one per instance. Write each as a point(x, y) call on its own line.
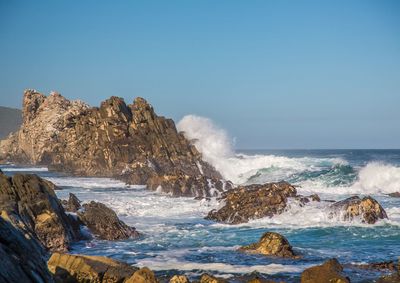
point(179, 279)
point(253, 201)
point(330, 271)
point(82, 268)
point(73, 204)
point(104, 222)
point(30, 204)
point(207, 278)
point(271, 244)
point(367, 209)
point(128, 142)
point(22, 257)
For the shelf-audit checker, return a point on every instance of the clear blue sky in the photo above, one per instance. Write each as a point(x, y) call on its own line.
point(274, 74)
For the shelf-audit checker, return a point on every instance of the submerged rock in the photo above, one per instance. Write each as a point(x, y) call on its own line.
point(253, 201)
point(104, 222)
point(128, 142)
point(30, 204)
point(329, 272)
point(367, 209)
point(82, 268)
point(271, 244)
point(22, 257)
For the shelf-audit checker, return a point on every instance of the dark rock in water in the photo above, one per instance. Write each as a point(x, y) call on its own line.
point(330, 271)
point(306, 199)
point(367, 208)
point(127, 142)
point(73, 204)
point(82, 268)
point(207, 278)
point(143, 275)
point(104, 223)
point(30, 203)
point(385, 265)
point(253, 201)
point(394, 195)
point(391, 278)
point(271, 244)
point(22, 258)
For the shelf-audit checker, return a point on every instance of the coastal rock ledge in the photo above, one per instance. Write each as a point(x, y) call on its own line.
point(127, 142)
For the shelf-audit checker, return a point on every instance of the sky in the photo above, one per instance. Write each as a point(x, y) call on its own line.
point(274, 74)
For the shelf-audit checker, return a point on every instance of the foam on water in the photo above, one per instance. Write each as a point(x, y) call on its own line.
point(12, 168)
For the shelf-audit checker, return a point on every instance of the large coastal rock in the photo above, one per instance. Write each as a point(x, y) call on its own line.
point(271, 244)
point(329, 272)
point(82, 268)
point(128, 142)
point(30, 204)
point(22, 257)
point(104, 222)
point(253, 201)
point(367, 209)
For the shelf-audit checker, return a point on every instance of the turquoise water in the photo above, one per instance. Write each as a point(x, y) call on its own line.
point(176, 237)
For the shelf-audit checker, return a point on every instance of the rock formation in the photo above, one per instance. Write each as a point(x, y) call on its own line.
point(22, 258)
point(330, 271)
point(143, 275)
point(179, 279)
point(128, 142)
point(253, 201)
point(30, 204)
point(104, 222)
point(73, 204)
point(271, 244)
point(81, 268)
point(207, 278)
point(367, 209)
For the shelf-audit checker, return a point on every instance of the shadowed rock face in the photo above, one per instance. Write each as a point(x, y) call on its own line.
point(104, 223)
point(328, 272)
point(367, 208)
point(30, 204)
point(128, 142)
point(271, 244)
point(253, 201)
point(22, 258)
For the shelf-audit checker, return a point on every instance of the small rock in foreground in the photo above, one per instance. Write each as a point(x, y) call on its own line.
point(329, 272)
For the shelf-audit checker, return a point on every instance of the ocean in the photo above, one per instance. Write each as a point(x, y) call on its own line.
point(176, 238)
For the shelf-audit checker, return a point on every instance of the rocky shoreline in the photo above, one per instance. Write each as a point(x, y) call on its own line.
point(133, 144)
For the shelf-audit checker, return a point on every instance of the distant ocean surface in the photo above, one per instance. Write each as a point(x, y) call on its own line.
point(176, 237)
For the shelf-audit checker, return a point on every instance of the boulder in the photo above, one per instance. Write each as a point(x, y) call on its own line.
point(207, 278)
point(128, 142)
point(143, 275)
point(254, 201)
point(73, 204)
point(271, 244)
point(22, 257)
point(330, 271)
point(179, 279)
point(367, 209)
point(29, 202)
point(82, 268)
point(104, 222)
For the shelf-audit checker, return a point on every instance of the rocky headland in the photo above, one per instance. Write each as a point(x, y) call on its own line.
point(127, 142)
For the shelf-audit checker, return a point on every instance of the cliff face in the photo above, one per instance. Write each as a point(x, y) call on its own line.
point(128, 142)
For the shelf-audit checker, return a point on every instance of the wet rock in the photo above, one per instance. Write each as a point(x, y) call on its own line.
point(179, 279)
point(271, 244)
point(391, 278)
point(306, 199)
point(128, 142)
point(253, 201)
point(22, 257)
point(143, 275)
point(82, 268)
point(330, 271)
point(367, 209)
point(385, 265)
point(30, 203)
point(207, 278)
point(73, 204)
point(104, 222)
point(394, 195)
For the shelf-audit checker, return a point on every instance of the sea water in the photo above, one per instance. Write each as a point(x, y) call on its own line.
point(177, 239)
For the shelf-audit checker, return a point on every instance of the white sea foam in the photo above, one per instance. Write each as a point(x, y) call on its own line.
point(90, 183)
